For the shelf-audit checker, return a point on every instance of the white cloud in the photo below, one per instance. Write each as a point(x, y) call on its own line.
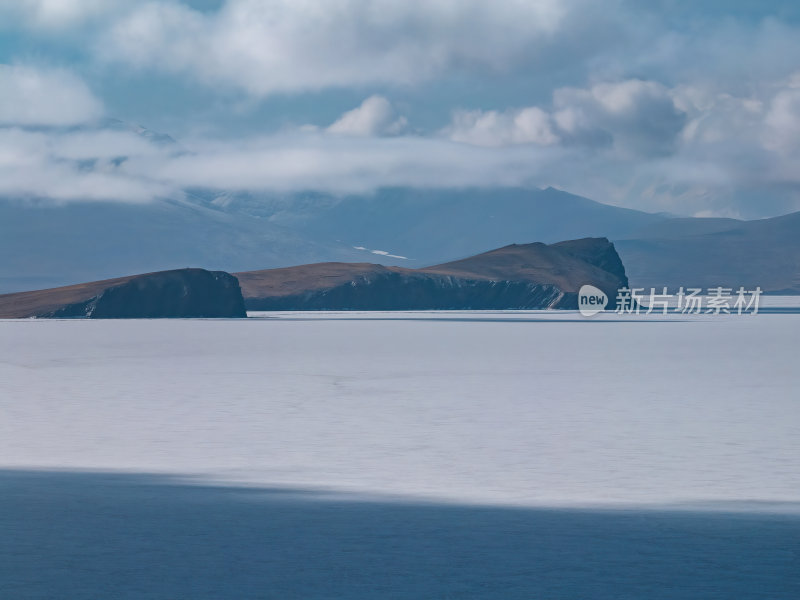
point(296, 45)
point(33, 96)
point(635, 117)
point(632, 116)
point(90, 164)
point(58, 166)
point(752, 137)
point(645, 145)
point(100, 144)
point(54, 14)
point(121, 166)
point(629, 142)
point(375, 116)
point(342, 164)
point(783, 120)
point(530, 125)
point(649, 110)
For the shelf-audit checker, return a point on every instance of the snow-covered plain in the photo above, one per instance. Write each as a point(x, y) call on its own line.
point(506, 408)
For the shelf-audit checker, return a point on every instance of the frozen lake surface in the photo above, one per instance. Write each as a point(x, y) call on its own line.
point(401, 455)
point(523, 408)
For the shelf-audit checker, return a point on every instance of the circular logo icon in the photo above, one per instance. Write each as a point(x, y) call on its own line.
point(591, 300)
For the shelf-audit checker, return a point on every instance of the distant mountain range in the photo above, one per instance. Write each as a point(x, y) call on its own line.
point(712, 252)
point(431, 226)
point(45, 245)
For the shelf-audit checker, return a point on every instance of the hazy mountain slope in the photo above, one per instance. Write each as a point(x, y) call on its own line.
point(430, 226)
point(48, 246)
point(707, 253)
point(685, 226)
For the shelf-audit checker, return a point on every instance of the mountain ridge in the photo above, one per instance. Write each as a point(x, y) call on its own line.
point(527, 276)
point(532, 275)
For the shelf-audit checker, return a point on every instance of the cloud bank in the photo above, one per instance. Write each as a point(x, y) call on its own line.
point(298, 45)
point(32, 96)
point(98, 165)
point(57, 14)
point(375, 116)
point(681, 146)
point(661, 106)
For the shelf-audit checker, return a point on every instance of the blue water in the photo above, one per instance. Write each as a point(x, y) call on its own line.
point(97, 536)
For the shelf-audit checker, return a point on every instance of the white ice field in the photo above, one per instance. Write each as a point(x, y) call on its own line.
point(512, 408)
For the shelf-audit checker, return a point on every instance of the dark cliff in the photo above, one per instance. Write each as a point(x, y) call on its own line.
point(525, 276)
point(392, 290)
point(599, 252)
point(182, 293)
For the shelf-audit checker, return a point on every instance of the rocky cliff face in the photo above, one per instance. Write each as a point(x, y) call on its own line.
point(526, 276)
point(599, 252)
point(402, 291)
point(182, 293)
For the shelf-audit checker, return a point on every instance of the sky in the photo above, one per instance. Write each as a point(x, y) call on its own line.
point(690, 108)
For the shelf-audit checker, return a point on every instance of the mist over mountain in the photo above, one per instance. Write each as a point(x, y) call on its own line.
point(46, 246)
point(47, 243)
